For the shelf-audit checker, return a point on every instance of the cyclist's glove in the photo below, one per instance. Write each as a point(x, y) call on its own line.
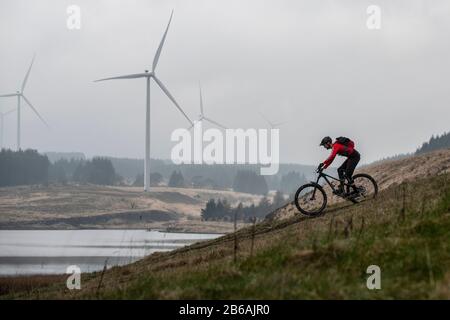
point(320, 167)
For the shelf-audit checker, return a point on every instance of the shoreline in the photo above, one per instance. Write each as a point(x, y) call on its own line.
point(116, 229)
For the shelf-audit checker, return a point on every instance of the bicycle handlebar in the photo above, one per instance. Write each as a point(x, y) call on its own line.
point(320, 168)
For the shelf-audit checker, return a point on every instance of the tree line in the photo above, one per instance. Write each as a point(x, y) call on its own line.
point(23, 167)
point(217, 176)
point(26, 167)
point(245, 181)
point(221, 210)
point(435, 143)
point(99, 170)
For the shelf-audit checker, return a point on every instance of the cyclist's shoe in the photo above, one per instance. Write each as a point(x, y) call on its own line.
point(352, 195)
point(339, 191)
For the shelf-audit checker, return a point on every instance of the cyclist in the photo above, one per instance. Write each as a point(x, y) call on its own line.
point(344, 147)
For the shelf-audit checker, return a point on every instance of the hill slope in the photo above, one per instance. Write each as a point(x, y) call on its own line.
point(404, 232)
point(390, 173)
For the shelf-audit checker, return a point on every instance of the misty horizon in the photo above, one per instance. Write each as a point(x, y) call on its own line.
point(316, 66)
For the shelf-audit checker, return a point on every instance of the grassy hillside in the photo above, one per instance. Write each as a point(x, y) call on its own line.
point(405, 231)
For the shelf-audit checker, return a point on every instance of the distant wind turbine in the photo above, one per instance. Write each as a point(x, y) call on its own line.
point(148, 75)
point(2, 123)
point(202, 114)
point(20, 95)
point(273, 125)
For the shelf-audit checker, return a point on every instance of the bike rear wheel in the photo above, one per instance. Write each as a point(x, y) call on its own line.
point(365, 187)
point(310, 199)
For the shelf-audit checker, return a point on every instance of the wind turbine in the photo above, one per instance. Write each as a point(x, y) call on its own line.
point(20, 95)
point(151, 75)
point(202, 114)
point(2, 123)
point(272, 125)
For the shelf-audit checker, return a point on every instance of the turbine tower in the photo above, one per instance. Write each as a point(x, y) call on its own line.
point(272, 125)
point(202, 114)
point(2, 123)
point(20, 95)
point(151, 75)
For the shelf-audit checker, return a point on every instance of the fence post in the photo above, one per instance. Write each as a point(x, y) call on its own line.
point(330, 228)
point(253, 236)
point(403, 210)
point(235, 238)
point(361, 230)
point(101, 277)
point(348, 227)
point(422, 208)
point(430, 268)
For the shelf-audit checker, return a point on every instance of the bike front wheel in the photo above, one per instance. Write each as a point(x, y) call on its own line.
point(310, 199)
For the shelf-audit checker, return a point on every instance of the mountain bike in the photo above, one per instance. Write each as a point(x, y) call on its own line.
point(311, 198)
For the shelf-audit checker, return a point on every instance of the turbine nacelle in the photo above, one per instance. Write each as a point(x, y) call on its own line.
point(202, 116)
point(272, 125)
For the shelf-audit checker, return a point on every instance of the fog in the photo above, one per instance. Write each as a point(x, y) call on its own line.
point(312, 63)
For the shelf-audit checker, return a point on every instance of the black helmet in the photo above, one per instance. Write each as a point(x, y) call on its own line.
point(325, 141)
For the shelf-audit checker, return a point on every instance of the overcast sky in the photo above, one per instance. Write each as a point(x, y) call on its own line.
point(313, 63)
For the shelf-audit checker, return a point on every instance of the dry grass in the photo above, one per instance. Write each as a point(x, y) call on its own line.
point(28, 284)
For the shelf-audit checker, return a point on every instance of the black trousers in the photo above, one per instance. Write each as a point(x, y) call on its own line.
point(348, 167)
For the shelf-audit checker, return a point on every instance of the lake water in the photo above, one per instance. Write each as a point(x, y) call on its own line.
point(27, 252)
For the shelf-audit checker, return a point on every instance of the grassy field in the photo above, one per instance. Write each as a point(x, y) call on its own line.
point(405, 232)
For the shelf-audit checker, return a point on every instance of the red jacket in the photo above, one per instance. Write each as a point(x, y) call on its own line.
point(339, 149)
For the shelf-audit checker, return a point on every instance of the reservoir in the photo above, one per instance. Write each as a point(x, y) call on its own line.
point(31, 252)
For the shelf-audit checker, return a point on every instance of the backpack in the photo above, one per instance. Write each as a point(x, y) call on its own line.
point(345, 141)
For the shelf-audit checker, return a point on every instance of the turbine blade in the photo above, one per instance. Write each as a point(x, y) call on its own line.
point(129, 76)
point(201, 100)
point(214, 122)
point(267, 120)
point(27, 75)
point(279, 123)
point(161, 44)
point(163, 88)
point(9, 95)
point(35, 111)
